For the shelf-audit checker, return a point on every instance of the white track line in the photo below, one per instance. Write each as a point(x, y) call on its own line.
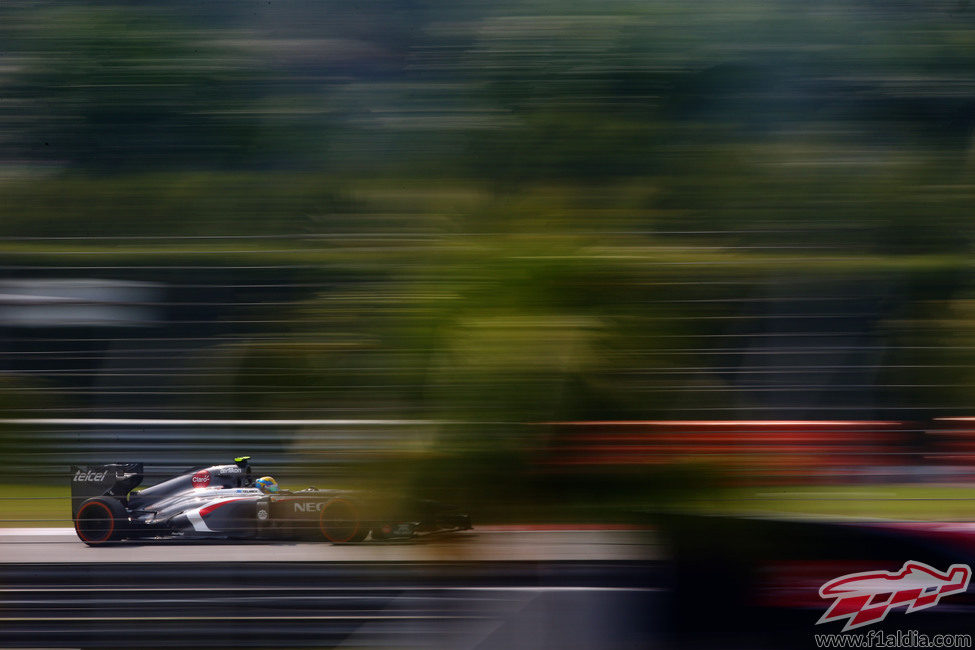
point(21, 532)
point(337, 588)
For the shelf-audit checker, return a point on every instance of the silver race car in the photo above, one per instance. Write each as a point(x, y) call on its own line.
point(225, 501)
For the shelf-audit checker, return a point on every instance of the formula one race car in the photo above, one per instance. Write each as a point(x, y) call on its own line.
point(222, 502)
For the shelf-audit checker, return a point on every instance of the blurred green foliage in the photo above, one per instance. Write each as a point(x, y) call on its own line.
point(529, 204)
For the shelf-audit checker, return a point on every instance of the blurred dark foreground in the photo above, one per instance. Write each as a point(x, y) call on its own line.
point(754, 583)
point(485, 605)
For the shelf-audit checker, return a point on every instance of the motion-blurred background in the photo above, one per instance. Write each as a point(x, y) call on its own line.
point(550, 257)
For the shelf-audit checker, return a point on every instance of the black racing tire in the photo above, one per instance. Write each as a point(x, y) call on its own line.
point(101, 520)
point(379, 533)
point(340, 522)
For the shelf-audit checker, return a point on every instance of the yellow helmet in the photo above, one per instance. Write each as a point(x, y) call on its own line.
point(266, 484)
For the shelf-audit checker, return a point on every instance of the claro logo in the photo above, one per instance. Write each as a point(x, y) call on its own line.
point(201, 479)
point(309, 506)
point(83, 476)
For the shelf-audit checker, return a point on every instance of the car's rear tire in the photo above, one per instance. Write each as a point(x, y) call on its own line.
point(340, 522)
point(101, 520)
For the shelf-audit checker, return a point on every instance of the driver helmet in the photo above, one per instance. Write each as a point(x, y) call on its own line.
point(266, 484)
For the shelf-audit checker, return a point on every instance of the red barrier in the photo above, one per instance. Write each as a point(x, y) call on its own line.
point(759, 450)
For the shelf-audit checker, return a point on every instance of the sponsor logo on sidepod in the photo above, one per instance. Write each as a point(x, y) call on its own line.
point(865, 598)
point(309, 507)
point(83, 477)
point(201, 479)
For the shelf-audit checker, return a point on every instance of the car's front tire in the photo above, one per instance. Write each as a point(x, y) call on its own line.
point(101, 520)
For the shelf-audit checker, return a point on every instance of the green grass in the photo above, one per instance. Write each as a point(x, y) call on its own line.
point(39, 506)
point(900, 501)
point(23, 506)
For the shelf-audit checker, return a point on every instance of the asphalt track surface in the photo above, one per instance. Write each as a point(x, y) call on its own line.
point(478, 590)
point(497, 544)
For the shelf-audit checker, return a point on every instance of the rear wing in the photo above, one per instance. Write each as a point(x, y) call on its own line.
point(113, 479)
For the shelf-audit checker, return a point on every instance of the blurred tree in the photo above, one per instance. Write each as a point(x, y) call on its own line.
point(116, 89)
point(581, 205)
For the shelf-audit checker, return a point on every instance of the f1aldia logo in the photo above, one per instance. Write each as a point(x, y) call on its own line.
point(865, 598)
